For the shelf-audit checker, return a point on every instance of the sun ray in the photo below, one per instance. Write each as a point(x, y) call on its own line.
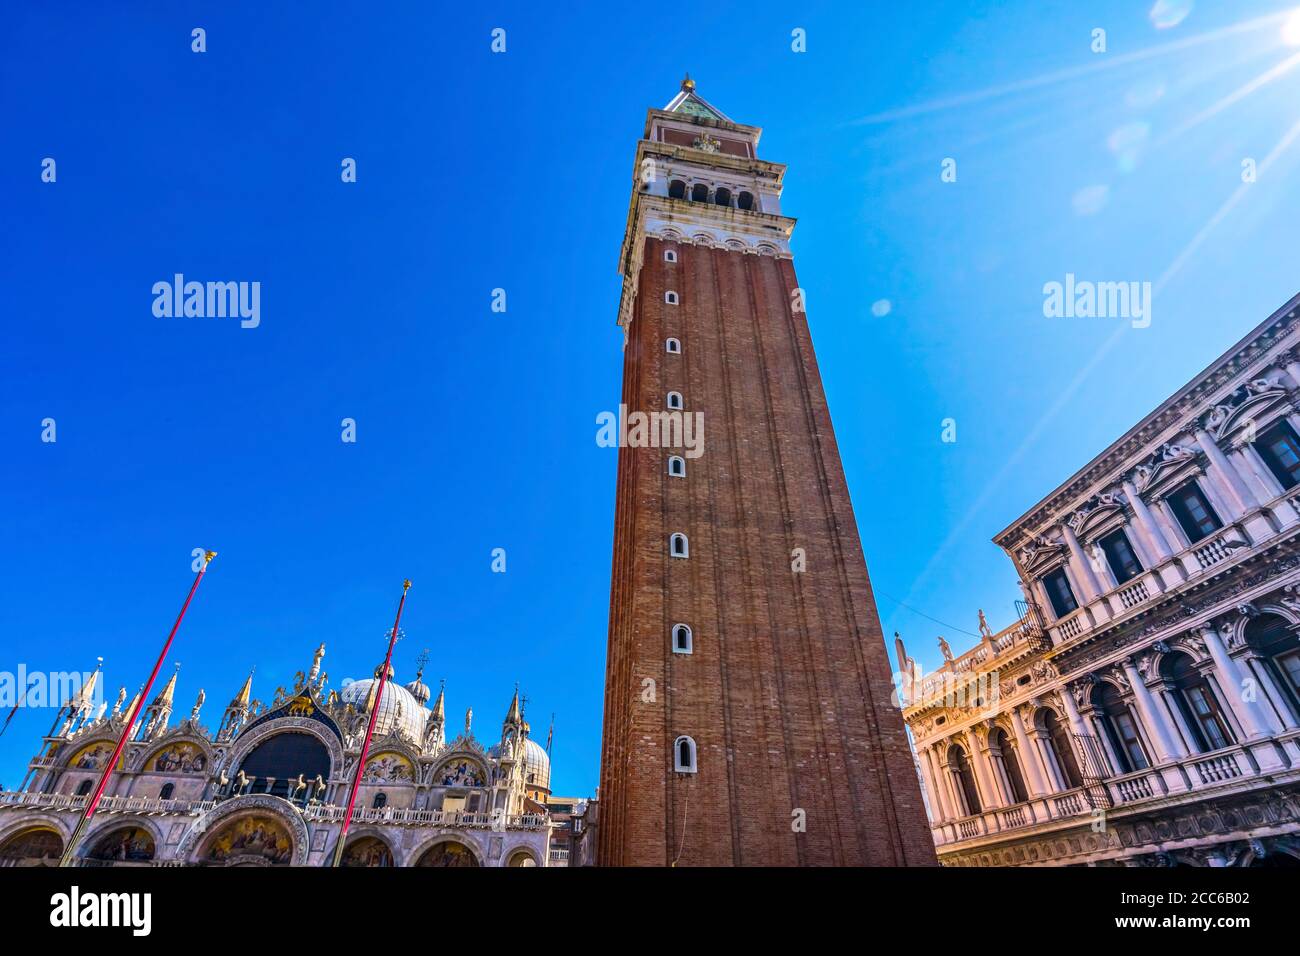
point(1268, 76)
point(1063, 398)
point(1105, 64)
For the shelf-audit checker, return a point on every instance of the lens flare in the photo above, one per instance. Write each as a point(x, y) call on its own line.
point(1128, 143)
point(1167, 14)
point(1090, 200)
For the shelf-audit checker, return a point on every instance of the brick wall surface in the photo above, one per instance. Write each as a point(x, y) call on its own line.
point(787, 693)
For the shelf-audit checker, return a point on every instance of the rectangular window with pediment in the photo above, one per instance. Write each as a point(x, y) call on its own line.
point(1123, 562)
point(1059, 592)
point(1194, 512)
point(1280, 449)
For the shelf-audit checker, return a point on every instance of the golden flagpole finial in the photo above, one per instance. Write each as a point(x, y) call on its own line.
point(406, 585)
point(208, 556)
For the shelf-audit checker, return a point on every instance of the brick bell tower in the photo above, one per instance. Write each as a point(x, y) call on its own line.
point(748, 714)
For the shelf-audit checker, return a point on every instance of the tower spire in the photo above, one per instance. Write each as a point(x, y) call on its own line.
point(513, 716)
point(439, 705)
point(168, 693)
point(236, 715)
point(245, 693)
point(160, 711)
point(87, 692)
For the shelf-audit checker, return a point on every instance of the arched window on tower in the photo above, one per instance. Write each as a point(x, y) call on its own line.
point(675, 400)
point(677, 466)
point(676, 189)
point(673, 346)
point(1120, 728)
point(699, 193)
point(1197, 702)
point(722, 196)
point(678, 546)
point(684, 755)
point(745, 200)
point(682, 639)
point(964, 779)
point(670, 297)
point(670, 255)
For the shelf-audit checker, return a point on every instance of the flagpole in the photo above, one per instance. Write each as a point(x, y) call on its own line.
point(93, 802)
point(370, 729)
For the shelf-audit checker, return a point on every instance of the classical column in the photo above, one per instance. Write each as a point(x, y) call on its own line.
point(1072, 712)
point(951, 788)
point(1259, 669)
point(1112, 757)
point(1254, 720)
point(1002, 779)
point(1165, 746)
point(1147, 522)
point(990, 794)
point(1250, 474)
point(1054, 773)
point(1082, 567)
point(937, 806)
point(1238, 495)
point(1290, 361)
point(1028, 754)
point(1169, 527)
point(939, 770)
point(1080, 730)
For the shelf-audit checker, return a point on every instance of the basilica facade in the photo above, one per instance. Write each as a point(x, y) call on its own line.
point(270, 786)
point(1145, 707)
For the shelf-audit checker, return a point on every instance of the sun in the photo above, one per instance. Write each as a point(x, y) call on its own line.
point(1291, 29)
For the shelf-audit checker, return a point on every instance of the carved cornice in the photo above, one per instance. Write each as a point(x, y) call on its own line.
point(1217, 823)
point(1184, 611)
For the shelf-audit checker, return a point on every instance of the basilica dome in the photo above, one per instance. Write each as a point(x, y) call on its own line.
point(399, 710)
point(537, 766)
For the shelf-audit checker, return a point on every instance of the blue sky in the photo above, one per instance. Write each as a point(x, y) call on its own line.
point(476, 429)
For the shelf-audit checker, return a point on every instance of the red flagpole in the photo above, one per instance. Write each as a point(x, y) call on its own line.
point(370, 729)
point(98, 793)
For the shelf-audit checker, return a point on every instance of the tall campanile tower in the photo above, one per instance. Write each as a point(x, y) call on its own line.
point(748, 718)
